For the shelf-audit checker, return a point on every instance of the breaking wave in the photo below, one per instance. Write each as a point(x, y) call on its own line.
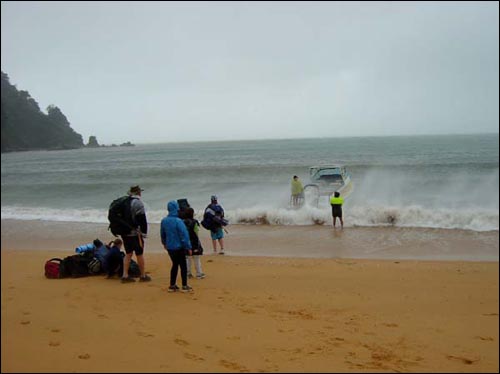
point(408, 216)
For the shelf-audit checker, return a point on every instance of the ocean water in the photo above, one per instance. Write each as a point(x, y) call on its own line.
point(448, 182)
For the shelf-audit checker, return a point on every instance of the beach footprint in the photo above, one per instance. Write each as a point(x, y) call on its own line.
point(192, 356)
point(464, 360)
point(486, 338)
point(390, 324)
point(233, 366)
point(181, 342)
point(248, 310)
point(301, 314)
point(145, 334)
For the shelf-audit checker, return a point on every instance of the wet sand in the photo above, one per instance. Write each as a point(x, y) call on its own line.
point(281, 241)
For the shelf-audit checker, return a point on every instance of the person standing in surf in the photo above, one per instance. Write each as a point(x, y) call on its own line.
point(336, 202)
point(297, 191)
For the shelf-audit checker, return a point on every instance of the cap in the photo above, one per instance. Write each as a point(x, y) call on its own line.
point(134, 190)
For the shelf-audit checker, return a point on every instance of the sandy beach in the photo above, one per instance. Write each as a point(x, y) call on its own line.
point(336, 312)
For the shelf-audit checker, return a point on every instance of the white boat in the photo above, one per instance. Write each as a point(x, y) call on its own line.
point(325, 180)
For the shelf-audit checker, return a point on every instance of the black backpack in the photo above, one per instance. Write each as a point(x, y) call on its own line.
point(207, 222)
point(76, 266)
point(120, 216)
point(193, 238)
point(134, 271)
point(183, 205)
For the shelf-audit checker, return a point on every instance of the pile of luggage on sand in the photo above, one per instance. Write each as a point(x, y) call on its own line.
point(95, 258)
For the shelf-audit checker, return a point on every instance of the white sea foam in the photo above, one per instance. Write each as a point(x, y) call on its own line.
point(48, 214)
point(371, 215)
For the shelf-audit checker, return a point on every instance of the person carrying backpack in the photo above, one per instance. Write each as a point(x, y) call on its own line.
point(133, 241)
point(213, 219)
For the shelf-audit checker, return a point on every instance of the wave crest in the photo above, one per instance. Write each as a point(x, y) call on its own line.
point(411, 216)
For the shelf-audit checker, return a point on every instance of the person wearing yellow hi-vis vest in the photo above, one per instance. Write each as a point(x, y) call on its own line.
point(297, 191)
point(336, 202)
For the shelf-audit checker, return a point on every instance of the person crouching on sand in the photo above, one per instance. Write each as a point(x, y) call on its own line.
point(113, 261)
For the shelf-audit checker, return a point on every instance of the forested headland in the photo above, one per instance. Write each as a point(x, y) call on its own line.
point(25, 127)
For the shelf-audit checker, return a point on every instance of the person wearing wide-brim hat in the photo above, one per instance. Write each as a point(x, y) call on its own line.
point(135, 190)
point(134, 240)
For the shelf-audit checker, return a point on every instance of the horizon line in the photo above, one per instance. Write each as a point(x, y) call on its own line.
point(311, 138)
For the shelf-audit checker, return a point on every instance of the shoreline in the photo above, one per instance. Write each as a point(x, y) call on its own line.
point(377, 243)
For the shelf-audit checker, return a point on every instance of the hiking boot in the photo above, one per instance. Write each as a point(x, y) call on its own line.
point(145, 278)
point(128, 280)
point(187, 289)
point(200, 276)
point(173, 288)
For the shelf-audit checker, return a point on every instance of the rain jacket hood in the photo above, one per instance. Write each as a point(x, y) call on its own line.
point(173, 232)
point(173, 208)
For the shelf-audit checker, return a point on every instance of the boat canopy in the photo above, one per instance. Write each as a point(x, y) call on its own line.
point(327, 170)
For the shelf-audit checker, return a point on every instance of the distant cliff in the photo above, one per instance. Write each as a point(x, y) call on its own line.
point(25, 127)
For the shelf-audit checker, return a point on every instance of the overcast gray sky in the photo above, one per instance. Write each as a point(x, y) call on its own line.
point(188, 71)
